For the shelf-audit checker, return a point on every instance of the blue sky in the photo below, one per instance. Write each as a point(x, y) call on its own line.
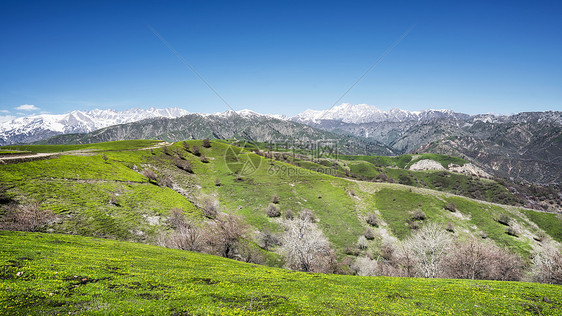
point(280, 56)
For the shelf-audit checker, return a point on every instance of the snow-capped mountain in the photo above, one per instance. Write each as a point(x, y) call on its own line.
point(363, 113)
point(247, 114)
point(38, 127)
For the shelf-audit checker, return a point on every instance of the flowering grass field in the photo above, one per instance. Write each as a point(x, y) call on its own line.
point(62, 274)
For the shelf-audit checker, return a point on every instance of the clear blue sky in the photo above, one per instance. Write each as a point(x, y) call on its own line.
point(280, 57)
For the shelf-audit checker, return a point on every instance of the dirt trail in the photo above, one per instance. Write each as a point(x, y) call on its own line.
point(4, 160)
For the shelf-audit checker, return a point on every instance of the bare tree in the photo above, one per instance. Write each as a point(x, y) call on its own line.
point(211, 208)
point(183, 165)
point(428, 246)
point(419, 215)
point(474, 259)
point(185, 146)
point(188, 236)
point(406, 261)
point(547, 265)
point(176, 218)
point(28, 218)
point(226, 233)
point(304, 246)
point(152, 177)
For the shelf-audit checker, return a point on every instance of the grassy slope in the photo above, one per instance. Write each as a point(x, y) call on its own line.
point(81, 187)
point(61, 274)
point(395, 168)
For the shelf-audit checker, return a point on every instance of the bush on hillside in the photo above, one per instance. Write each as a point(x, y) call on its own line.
point(503, 219)
point(289, 214)
point(151, 175)
point(183, 165)
point(307, 215)
point(419, 215)
point(211, 208)
point(369, 235)
point(451, 207)
point(372, 219)
point(207, 143)
point(272, 210)
point(196, 151)
point(27, 218)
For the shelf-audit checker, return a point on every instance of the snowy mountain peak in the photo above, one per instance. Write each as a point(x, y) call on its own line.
point(38, 127)
point(364, 113)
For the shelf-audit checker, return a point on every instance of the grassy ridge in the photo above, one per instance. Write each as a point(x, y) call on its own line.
point(60, 274)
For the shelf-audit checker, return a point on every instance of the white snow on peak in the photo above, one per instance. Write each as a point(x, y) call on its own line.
point(31, 128)
point(364, 113)
point(246, 114)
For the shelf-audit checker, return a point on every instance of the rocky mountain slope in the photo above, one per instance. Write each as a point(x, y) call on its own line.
point(246, 125)
point(525, 146)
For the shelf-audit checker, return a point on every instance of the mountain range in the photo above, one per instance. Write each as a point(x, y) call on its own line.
point(523, 147)
point(38, 127)
point(363, 113)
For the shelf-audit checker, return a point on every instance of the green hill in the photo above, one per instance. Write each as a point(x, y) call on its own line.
point(112, 198)
point(64, 274)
